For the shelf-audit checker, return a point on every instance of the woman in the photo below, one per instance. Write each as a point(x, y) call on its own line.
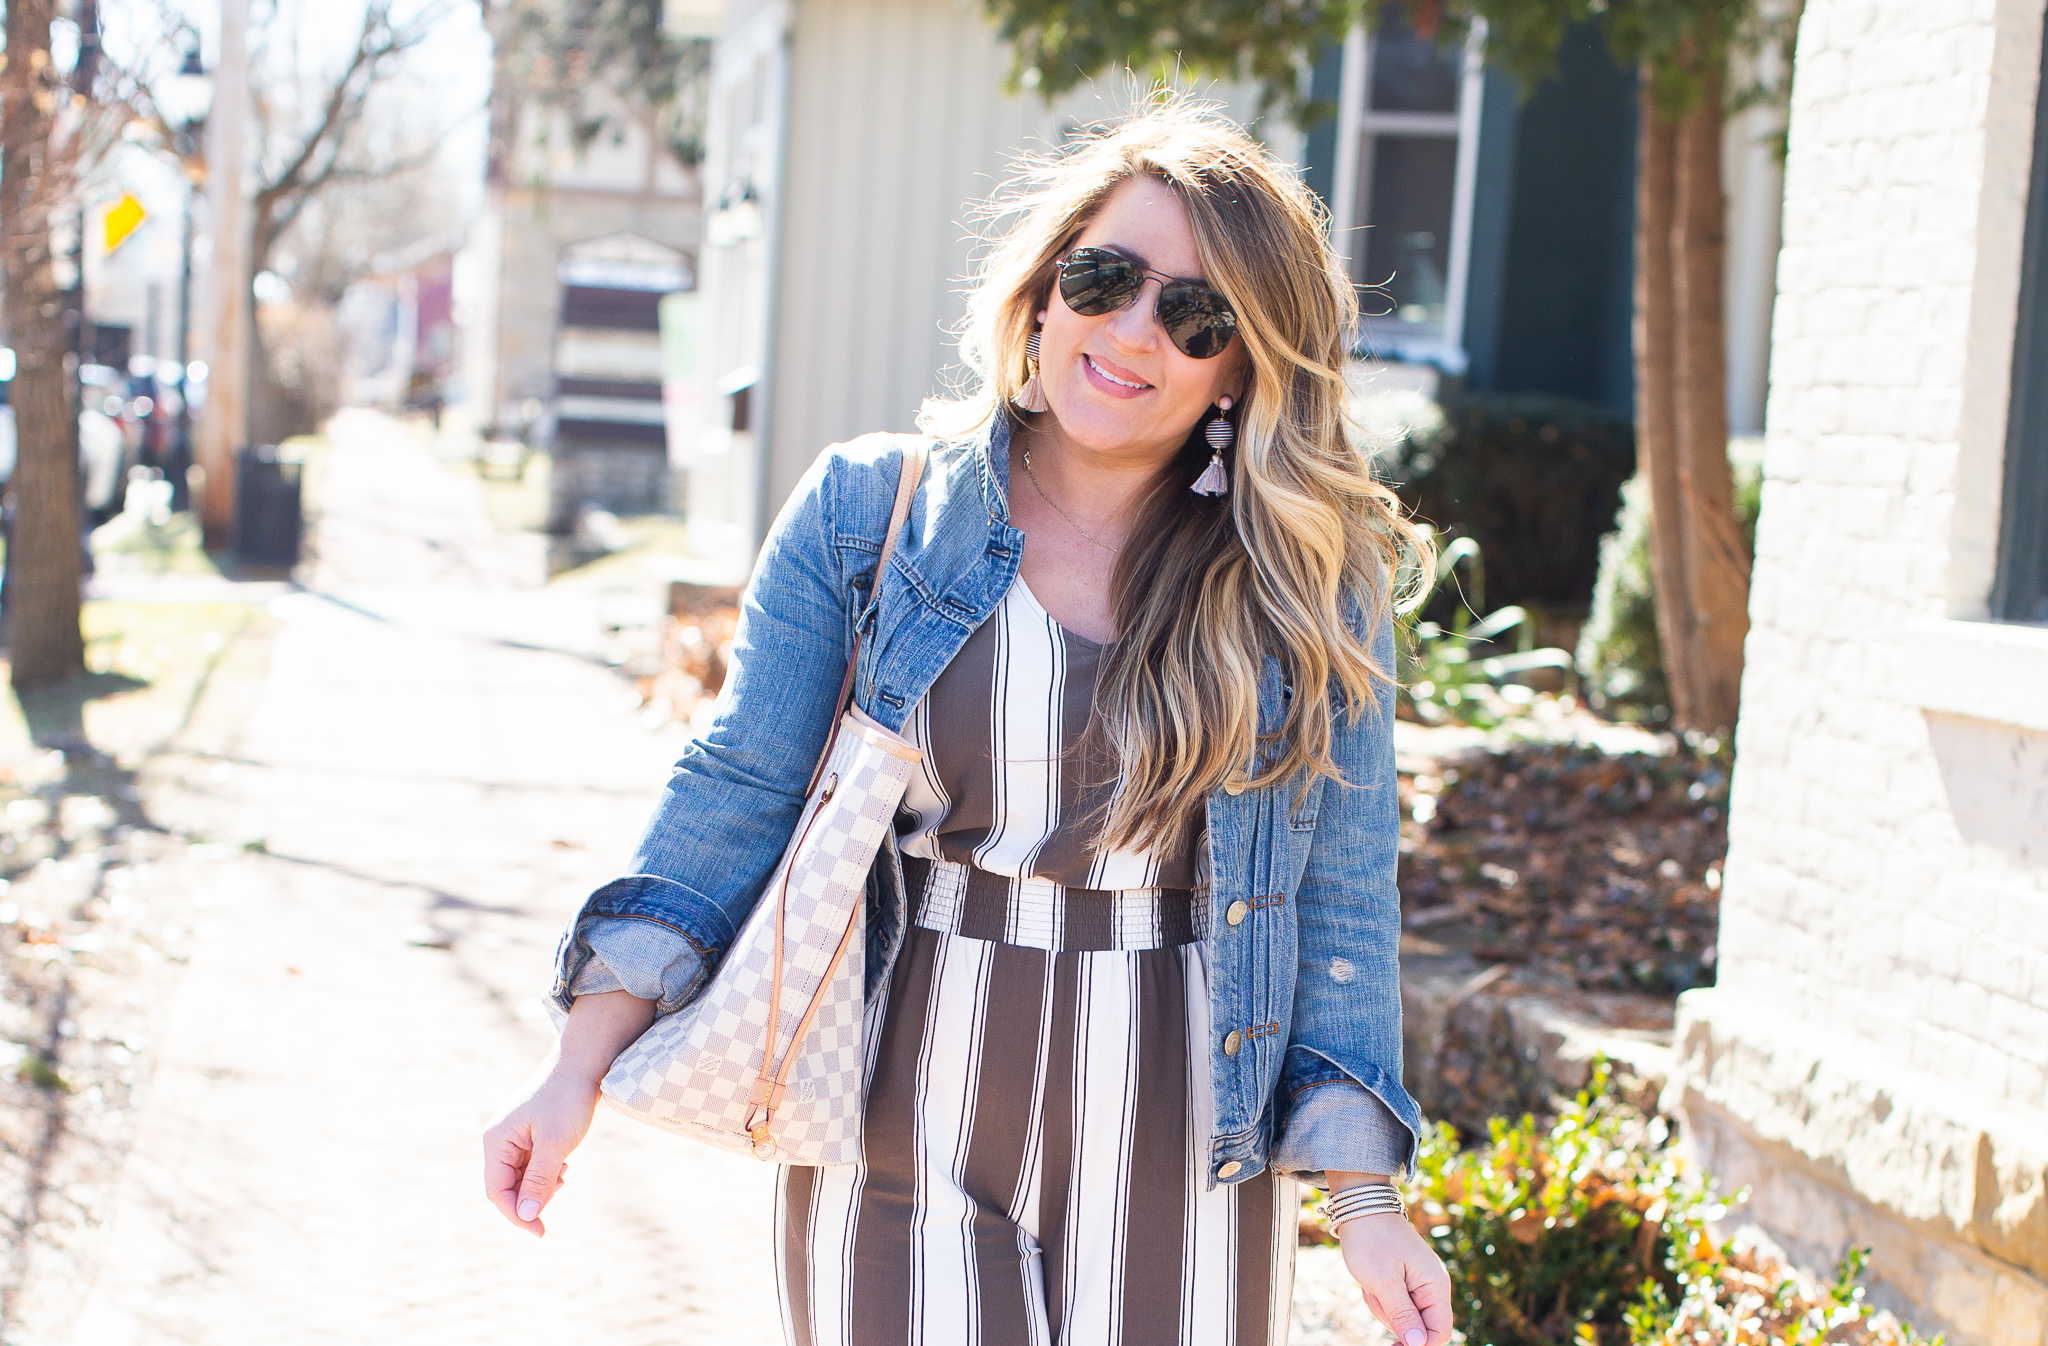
point(1133, 950)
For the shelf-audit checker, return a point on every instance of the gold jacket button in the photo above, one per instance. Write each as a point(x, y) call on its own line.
point(1232, 1041)
point(1229, 1170)
point(1233, 787)
point(1238, 911)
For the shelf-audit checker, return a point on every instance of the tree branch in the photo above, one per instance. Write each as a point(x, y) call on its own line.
point(379, 42)
point(339, 99)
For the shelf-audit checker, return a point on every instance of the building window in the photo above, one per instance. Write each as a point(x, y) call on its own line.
point(2020, 591)
point(1408, 138)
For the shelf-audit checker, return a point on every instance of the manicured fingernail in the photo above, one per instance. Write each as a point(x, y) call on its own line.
point(530, 1208)
point(1414, 1337)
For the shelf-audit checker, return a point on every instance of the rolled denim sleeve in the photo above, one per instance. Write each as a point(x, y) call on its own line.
point(1345, 1037)
point(649, 960)
point(1341, 1127)
point(735, 794)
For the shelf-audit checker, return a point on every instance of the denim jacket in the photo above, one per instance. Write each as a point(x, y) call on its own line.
point(1304, 978)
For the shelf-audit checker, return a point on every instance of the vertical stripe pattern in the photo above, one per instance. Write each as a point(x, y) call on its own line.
point(1005, 785)
point(1032, 1162)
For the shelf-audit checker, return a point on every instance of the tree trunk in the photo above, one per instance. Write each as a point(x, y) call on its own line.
point(275, 413)
point(1699, 563)
point(1717, 559)
point(44, 550)
point(1657, 399)
point(269, 418)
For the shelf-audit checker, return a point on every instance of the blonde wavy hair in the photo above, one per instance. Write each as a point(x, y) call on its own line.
point(1204, 589)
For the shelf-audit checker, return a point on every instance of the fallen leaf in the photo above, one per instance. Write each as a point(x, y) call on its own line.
point(1578, 861)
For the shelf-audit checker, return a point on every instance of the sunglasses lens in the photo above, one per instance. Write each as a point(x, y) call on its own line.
point(1197, 320)
point(1095, 281)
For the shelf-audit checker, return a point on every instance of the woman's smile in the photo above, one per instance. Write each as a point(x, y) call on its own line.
point(1112, 378)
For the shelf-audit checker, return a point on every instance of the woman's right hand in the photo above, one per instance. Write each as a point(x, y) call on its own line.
point(526, 1146)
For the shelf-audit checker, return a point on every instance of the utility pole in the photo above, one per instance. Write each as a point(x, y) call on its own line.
point(180, 464)
point(78, 326)
point(190, 95)
point(224, 424)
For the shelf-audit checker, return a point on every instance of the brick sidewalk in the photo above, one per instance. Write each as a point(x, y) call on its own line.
point(434, 790)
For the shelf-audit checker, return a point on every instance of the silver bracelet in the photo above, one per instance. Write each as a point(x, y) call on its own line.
point(1370, 1198)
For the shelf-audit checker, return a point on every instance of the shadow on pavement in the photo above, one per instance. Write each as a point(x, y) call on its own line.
point(96, 910)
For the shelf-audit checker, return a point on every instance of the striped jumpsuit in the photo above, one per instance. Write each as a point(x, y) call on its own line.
point(1032, 1167)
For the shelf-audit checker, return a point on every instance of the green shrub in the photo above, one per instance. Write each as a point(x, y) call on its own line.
point(1447, 675)
point(1621, 663)
point(1593, 1232)
point(1533, 480)
point(1619, 657)
point(1552, 1236)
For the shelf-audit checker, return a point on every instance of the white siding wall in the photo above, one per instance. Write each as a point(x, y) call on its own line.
point(897, 123)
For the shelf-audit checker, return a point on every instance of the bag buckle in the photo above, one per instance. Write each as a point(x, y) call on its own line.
point(764, 1145)
point(761, 1103)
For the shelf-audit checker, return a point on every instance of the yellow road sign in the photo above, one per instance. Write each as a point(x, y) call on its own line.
point(122, 218)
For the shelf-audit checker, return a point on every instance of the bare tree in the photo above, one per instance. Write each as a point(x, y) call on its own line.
point(48, 132)
point(356, 228)
point(598, 64)
point(326, 148)
point(315, 138)
point(43, 552)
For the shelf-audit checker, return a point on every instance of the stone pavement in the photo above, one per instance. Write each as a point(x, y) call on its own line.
point(436, 772)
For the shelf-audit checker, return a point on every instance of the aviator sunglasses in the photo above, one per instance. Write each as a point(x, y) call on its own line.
point(1095, 281)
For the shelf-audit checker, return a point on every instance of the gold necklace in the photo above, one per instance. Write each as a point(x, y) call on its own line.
point(1056, 505)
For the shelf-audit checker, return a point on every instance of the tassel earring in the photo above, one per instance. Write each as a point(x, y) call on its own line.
point(1031, 397)
point(1215, 478)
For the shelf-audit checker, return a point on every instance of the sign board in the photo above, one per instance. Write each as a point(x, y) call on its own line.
point(123, 217)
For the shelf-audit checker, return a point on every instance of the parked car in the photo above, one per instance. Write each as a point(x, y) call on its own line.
point(107, 447)
point(103, 460)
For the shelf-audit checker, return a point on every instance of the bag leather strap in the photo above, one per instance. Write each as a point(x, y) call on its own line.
point(774, 1078)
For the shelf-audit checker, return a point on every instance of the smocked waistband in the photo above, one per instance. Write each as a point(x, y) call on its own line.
point(958, 899)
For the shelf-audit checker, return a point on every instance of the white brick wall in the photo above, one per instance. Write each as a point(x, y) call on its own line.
point(1880, 879)
point(1886, 903)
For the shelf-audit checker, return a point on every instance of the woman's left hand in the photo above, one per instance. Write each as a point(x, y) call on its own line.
point(1404, 1281)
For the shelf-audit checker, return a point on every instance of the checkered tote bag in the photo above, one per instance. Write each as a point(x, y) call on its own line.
point(768, 1059)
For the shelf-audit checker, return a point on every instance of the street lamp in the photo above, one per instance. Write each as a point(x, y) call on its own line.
point(187, 98)
point(736, 218)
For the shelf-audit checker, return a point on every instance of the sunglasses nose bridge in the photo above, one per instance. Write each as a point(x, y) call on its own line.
point(1138, 292)
point(1150, 312)
point(1135, 325)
